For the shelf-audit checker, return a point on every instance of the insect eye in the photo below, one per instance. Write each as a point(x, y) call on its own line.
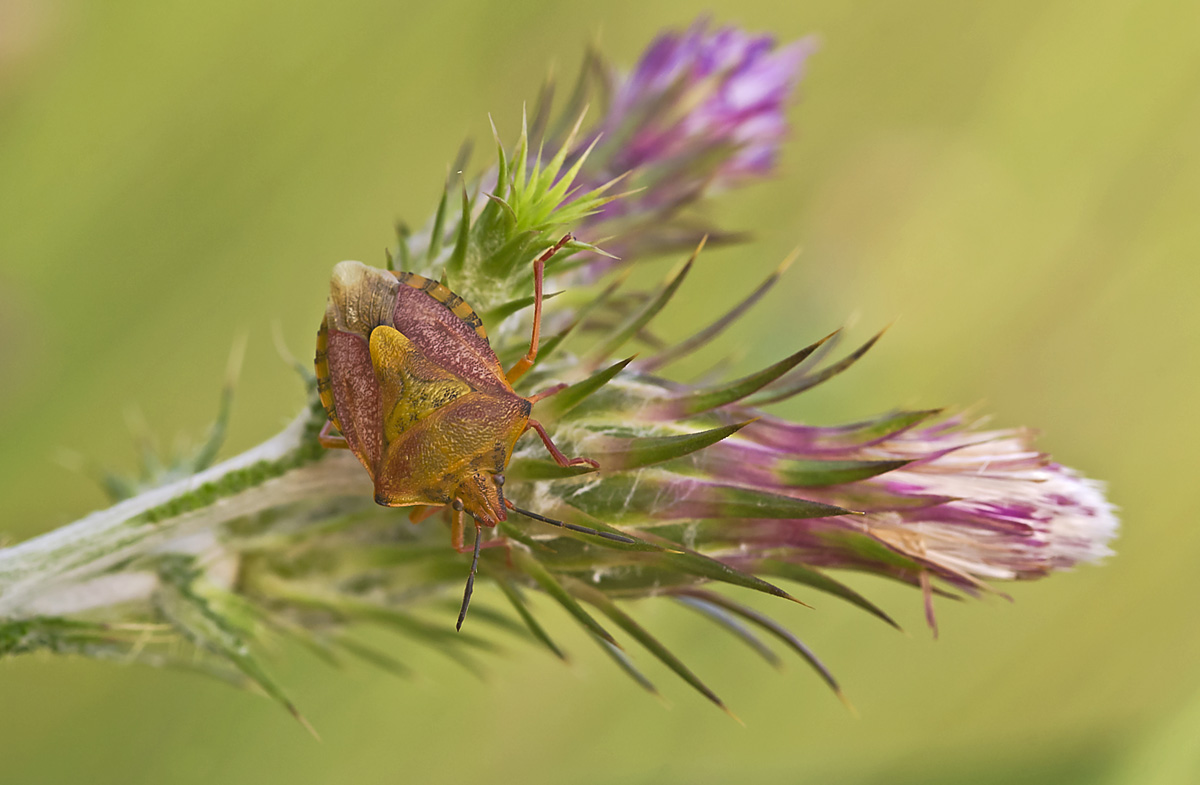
point(498, 479)
point(457, 504)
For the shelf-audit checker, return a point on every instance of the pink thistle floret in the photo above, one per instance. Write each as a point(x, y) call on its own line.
point(696, 93)
point(963, 505)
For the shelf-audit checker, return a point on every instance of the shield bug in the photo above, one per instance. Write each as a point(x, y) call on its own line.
point(407, 376)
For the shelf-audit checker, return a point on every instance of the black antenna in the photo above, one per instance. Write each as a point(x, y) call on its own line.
point(462, 613)
point(571, 526)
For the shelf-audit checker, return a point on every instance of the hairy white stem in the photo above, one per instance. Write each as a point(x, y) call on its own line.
point(79, 566)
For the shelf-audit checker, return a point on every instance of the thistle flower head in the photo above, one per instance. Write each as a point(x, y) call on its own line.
point(698, 482)
point(704, 105)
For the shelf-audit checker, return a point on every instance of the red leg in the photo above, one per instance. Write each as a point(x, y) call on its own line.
point(546, 393)
point(556, 453)
point(539, 268)
point(423, 512)
point(326, 439)
point(458, 531)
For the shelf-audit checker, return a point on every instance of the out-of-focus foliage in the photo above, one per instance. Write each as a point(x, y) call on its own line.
point(1017, 182)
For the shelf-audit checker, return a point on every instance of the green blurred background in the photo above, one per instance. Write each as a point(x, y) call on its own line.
point(1015, 184)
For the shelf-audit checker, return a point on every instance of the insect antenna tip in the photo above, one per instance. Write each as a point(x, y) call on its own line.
point(574, 527)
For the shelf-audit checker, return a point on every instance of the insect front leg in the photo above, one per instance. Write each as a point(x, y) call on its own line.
point(539, 269)
point(420, 513)
point(557, 454)
point(327, 439)
point(546, 393)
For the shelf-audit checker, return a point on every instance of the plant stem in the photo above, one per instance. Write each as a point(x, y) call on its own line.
point(94, 562)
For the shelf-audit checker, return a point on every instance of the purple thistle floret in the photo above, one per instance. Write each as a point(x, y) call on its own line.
point(965, 504)
point(701, 111)
point(696, 93)
point(932, 501)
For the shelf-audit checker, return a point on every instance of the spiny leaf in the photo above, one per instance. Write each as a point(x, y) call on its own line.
point(654, 493)
point(458, 256)
point(502, 311)
point(705, 400)
point(647, 451)
point(216, 434)
point(567, 399)
point(537, 469)
point(787, 389)
point(518, 603)
point(542, 109)
point(776, 629)
point(405, 623)
point(890, 425)
point(443, 639)
point(551, 586)
point(502, 184)
point(640, 319)
point(593, 77)
point(731, 624)
point(819, 474)
point(373, 656)
point(192, 616)
point(439, 228)
point(402, 236)
point(821, 582)
point(577, 517)
point(695, 563)
point(626, 664)
point(642, 636)
point(716, 328)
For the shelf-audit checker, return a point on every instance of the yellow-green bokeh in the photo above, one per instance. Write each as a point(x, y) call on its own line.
point(1014, 184)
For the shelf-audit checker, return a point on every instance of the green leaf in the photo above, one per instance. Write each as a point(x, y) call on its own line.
point(807, 382)
point(699, 401)
point(626, 664)
point(403, 622)
point(566, 400)
point(195, 619)
point(402, 236)
point(716, 328)
point(698, 564)
point(458, 256)
point(642, 636)
point(821, 582)
point(776, 629)
point(437, 233)
point(502, 311)
point(642, 317)
point(647, 451)
point(727, 620)
point(658, 494)
point(886, 426)
point(522, 609)
point(819, 474)
point(537, 469)
point(534, 569)
point(373, 656)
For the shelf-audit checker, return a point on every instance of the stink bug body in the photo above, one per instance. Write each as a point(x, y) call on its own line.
point(406, 374)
